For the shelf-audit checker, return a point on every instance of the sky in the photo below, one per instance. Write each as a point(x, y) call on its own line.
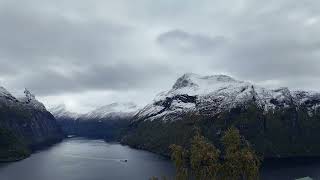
point(90, 53)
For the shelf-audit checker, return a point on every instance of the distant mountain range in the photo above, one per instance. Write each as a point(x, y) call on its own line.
point(106, 122)
point(25, 125)
point(104, 112)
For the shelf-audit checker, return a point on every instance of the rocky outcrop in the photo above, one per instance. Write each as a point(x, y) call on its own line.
point(28, 120)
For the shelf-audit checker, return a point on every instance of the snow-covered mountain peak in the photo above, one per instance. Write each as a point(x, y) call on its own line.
point(30, 99)
point(218, 93)
point(195, 80)
point(60, 111)
point(29, 95)
point(6, 95)
point(4, 92)
point(118, 107)
point(114, 109)
point(193, 84)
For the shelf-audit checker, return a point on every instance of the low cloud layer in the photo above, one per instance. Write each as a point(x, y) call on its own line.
point(106, 51)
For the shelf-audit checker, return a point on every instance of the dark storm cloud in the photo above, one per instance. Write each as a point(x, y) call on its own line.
point(186, 42)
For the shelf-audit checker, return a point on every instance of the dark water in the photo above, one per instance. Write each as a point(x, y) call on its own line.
point(83, 159)
point(288, 169)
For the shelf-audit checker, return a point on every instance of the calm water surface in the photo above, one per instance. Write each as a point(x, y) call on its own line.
point(83, 159)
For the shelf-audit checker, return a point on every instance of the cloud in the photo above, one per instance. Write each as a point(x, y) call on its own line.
point(120, 77)
point(133, 50)
point(29, 37)
point(189, 43)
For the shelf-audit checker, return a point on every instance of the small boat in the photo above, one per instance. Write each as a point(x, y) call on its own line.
point(124, 160)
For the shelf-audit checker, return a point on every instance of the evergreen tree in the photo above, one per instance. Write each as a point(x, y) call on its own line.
point(240, 160)
point(179, 156)
point(203, 161)
point(204, 158)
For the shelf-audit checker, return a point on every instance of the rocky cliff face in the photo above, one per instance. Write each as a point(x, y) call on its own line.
point(28, 120)
point(278, 122)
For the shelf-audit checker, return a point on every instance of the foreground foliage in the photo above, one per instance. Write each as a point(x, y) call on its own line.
point(203, 161)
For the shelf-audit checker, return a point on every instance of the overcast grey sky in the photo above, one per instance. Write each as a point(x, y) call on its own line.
point(93, 52)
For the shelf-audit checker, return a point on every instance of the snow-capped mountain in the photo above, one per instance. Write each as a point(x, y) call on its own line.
point(29, 99)
point(105, 122)
point(61, 111)
point(28, 120)
point(211, 95)
point(6, 97)
point(114, 110)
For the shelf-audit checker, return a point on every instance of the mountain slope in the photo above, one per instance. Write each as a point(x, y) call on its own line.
point(27, 120)
point(278, 122)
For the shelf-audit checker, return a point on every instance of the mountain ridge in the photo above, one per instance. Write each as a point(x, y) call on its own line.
point(108, 121)
point(218, 93)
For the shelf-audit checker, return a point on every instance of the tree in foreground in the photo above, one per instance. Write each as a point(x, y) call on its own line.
point(239, 161)
point(203, 160)
point(180, 158)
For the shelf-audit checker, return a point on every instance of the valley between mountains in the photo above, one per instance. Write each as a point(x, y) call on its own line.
point(277, 122)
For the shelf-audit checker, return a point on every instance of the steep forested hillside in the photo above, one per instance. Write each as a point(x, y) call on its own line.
point(25, 125)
